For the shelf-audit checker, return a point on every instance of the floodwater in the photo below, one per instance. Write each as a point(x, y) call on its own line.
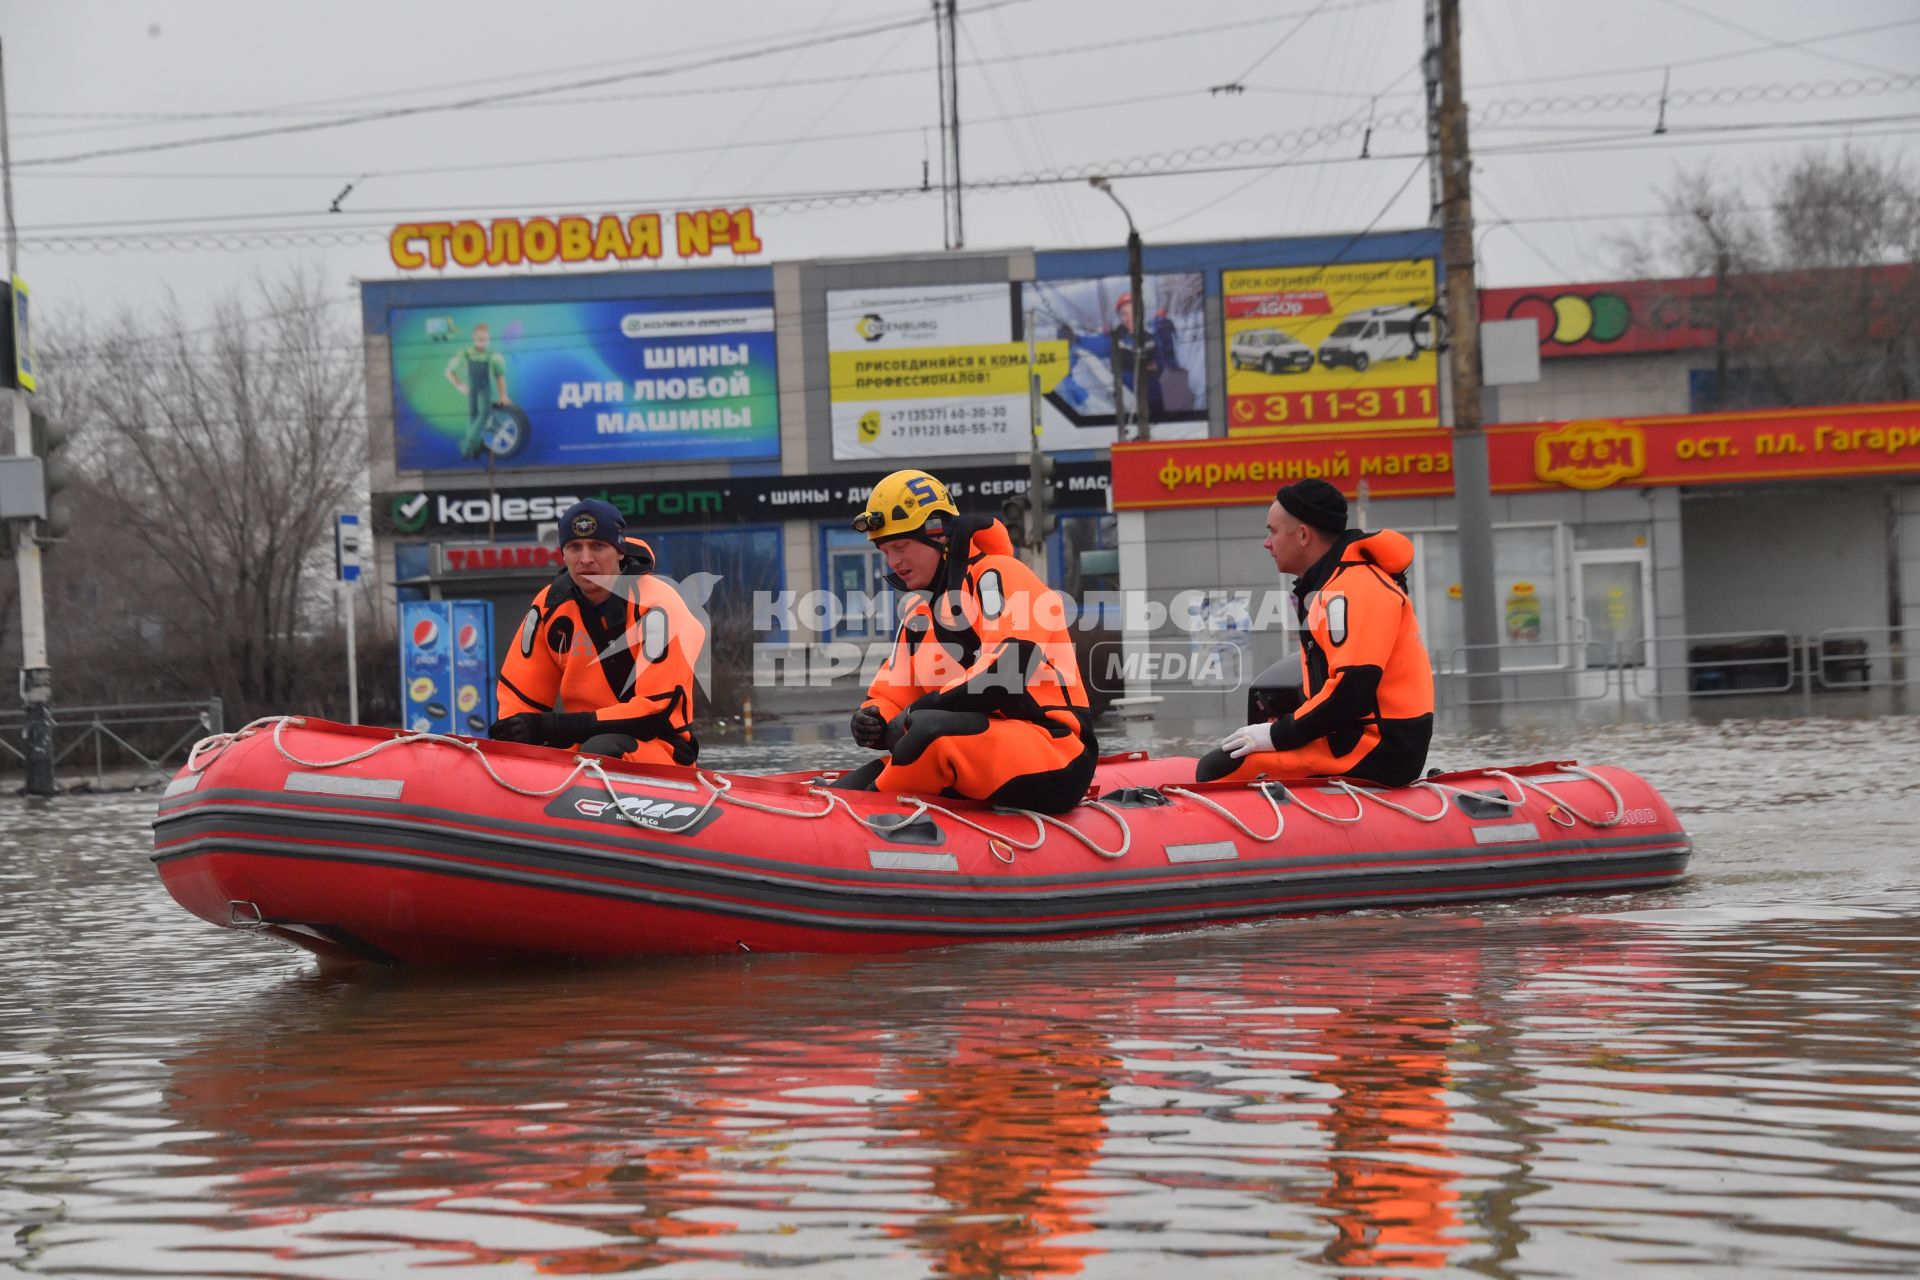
point(1719, 1078)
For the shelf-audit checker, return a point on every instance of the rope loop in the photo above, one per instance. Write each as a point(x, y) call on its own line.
point(1279, 818)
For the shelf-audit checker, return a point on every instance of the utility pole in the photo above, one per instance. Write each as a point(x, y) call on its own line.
point(1452, 170)
point(36, 677)
point(946, 36)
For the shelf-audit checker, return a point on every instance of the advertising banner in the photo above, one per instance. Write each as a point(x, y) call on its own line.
point(1626, 318)
point(1585, 454)
point(1349, 346)
point(943, 369)
point(584, 383)
point(473, 682)
point(1095, 319)
point(426, 666)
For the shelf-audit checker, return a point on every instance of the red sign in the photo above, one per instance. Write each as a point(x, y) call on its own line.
point(1622, 318)
point(1281, 304)
point(1590, 453)
point(482, 557)
point(1632, 317)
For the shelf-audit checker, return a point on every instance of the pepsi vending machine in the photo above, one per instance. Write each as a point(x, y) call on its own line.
point(446, 660)
point(473, 683)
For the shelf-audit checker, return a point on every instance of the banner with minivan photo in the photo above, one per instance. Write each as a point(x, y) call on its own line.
point(1348, 347)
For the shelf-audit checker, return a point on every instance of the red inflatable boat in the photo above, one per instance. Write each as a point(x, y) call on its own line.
point(370, 844)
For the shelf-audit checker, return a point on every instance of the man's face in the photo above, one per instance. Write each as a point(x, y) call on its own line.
point(481, 337)
point(1289, 542)
point(914, 562)
point(1124, 314)
point(589, 558)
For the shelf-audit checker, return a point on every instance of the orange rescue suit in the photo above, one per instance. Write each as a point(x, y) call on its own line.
point(985, 673)
point(628, 661)
point(1368, 711)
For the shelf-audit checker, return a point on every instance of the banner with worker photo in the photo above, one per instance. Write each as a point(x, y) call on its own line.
point(1094, 318)
point(1345, 347)
point(943, 369)
point(551, 384)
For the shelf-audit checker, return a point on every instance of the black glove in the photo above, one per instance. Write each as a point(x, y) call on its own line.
point(870, 729)
point(523, 727)
point(545, 728)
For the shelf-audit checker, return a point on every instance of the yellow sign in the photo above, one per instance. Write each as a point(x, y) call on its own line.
point(609, 237)
point(1591, 453)
point(1347, 346)
point(921, 373)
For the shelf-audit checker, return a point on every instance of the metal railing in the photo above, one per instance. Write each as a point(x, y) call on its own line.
point(107, 727)
point(1858, 662)
point(1748, 655)
point(1570, 667)
point(1694, 664)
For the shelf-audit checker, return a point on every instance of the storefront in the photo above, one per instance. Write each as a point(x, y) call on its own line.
point(739, 414)
point(1634, 557)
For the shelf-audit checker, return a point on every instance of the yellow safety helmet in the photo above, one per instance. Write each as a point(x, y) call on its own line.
point(902, 504)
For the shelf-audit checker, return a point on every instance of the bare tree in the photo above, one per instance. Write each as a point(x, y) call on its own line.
point(1820, 301)
point(221, 451)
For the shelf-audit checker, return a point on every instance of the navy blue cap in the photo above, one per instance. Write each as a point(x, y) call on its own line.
point(592, 521)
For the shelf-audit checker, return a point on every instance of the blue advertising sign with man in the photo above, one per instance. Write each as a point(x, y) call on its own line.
point(584, 383)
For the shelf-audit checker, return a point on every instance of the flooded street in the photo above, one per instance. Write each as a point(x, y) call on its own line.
point(1719, 1078)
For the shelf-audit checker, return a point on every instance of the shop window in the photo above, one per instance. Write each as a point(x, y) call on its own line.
point(854, 573)
point(1529, 588)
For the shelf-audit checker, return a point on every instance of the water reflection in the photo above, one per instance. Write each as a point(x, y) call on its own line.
point(1376, 1097)
point(1714, 1078)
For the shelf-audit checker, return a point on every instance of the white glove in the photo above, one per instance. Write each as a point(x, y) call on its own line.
point(1254, 737)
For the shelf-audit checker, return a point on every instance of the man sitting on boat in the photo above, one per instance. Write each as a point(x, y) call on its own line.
point(608, 642)
point(981, 696)
point(1368, 708)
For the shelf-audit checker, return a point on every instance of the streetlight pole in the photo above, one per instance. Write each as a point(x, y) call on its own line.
point(1141, 427)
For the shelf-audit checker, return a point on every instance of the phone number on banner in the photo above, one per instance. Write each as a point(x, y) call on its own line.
point(948, 421)
point(1373, 406)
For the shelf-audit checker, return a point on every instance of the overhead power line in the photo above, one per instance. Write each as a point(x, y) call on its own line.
point(519, 102)
point(1773, 42)
point(436, 108)
point(333, 232)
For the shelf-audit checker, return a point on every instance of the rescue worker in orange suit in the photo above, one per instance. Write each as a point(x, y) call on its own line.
point(603, 661)
point(1368, 707)
point(981, 696)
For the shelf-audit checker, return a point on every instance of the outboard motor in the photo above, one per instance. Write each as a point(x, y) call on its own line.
point(1276, 692)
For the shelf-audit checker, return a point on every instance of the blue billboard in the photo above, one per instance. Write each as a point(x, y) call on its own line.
point(554, 384)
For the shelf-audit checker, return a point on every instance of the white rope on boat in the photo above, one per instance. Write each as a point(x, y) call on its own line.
point(720, 788)
point(1577, 774)
point(1279, 818)
point(1394, 805)
point(1359, 810)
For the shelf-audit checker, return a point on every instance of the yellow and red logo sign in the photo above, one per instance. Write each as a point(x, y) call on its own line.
point(508, 242)
point(1590, 454)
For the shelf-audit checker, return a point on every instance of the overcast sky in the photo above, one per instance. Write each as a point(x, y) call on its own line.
point(749, 101)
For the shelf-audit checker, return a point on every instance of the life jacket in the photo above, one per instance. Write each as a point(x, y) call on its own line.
point(988, 635)
point(630, 659)
point(1364, 668)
